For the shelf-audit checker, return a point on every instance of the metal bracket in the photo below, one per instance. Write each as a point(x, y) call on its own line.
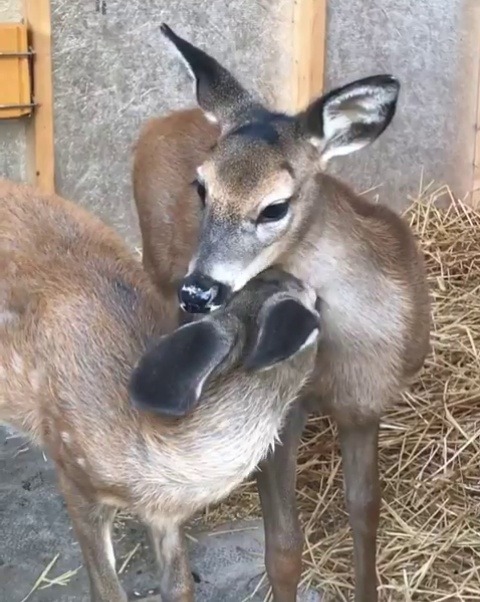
point(11, 55)
point(29, 105)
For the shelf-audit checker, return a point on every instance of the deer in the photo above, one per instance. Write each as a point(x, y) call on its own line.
point(135, 412)
point(164, 195)
point(267, 200)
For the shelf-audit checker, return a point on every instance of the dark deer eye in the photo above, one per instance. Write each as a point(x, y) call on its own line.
point(273, 212)
point(201, 191)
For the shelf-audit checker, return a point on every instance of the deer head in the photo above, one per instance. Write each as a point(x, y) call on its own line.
point(256, 185)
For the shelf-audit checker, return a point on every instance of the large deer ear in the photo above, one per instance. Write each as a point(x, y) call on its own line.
point(219, 94)
point(284, 328)
point(169, 378)
point(349, 118)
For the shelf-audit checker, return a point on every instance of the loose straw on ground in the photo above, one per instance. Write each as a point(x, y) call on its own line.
point(429, 537)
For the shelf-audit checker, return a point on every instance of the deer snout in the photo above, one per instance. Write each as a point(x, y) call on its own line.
point(201, 294)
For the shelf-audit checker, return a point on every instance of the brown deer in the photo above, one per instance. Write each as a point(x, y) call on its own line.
point(164, 194)
point(133, 413)
point(267, 201)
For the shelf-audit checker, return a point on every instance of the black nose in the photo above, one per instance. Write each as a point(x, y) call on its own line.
point(200, 294)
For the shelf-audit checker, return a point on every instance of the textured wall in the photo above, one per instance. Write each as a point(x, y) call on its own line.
point(12, 131)
point(114, 70)
point(430, 46)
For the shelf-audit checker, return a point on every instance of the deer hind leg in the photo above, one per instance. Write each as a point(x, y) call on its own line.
point(176, 583)
point(92, 523)
point(359, 447)
point(283, 536)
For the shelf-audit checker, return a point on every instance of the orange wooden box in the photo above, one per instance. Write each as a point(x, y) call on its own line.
point(15, 85)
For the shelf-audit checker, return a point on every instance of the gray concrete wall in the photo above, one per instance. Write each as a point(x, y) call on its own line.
point(12, 131)
point(114, 70)
point(431, 46)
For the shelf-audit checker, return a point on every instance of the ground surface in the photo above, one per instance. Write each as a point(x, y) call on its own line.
point(34, 527)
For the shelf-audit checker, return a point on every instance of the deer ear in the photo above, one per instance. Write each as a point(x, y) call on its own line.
point(349, 118)
point(219, 94)
point(169, 378)
point(284, 328)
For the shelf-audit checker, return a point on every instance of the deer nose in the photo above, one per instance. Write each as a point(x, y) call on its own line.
point(201, 294)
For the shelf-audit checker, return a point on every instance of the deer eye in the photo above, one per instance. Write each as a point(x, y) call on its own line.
point(201, 191)
point(273, 212)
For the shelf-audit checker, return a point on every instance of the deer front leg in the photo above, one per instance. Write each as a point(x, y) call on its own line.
point(359, 446)
point(92, 523)
point(283, 537)
point(176, 583)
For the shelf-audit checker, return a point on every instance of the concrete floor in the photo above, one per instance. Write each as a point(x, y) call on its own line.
point(34, 527)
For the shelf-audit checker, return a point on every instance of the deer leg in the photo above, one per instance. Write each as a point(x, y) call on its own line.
point(283, 537)
point(359, 446)
point(176, 583)
point(92, 523)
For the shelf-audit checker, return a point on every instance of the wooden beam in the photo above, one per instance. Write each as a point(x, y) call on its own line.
point(475, 197)
point(40, 143)
point(309, 40)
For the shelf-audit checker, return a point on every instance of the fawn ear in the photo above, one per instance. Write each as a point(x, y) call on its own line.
point(169, 378)
point(219, 94)
point(284, 328)
point(351, 117)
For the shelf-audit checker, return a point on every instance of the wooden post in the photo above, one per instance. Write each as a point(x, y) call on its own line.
point(40, 145)
point(475, 188)
point(309, 38)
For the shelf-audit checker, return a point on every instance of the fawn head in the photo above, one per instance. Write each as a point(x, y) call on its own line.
point(253, 332)
point(254, 187)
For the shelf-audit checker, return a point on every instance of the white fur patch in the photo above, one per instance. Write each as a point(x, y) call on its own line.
point(7, 317)
point(66, 438)
point(210, 117)
point(311, 339)
point(107, 538)
point(17, 363)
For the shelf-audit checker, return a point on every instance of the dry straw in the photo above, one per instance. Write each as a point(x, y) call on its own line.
point(429, 538)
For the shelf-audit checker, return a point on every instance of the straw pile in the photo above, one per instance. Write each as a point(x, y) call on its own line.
point(429, 538)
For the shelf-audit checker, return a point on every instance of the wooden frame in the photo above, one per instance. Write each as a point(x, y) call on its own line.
point(309, 39)
point(476, 155)
point(15, 91)
point(475, 187)
point(40, 142)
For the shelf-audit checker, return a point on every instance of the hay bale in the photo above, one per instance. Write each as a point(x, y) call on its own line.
point(429, 536)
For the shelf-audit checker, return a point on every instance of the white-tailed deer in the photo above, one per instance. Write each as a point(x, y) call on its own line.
point(135, 414)
point(167, 155)
point(267, 201)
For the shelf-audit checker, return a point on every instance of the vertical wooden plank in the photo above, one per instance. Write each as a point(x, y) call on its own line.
point(475, 197)
point(40, 143)
point(309, 39)
point(476, 156)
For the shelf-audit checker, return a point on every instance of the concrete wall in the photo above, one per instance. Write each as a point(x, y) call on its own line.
point(12, 131)
point(113, 70)
point(432, 47)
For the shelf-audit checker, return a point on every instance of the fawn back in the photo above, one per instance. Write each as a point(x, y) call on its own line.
point(77, 314)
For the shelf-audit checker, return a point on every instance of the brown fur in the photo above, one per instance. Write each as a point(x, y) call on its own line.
point(365, 266)
point(77, 312)
point(164, 194)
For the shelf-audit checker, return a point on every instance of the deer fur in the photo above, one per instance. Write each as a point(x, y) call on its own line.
point(164, 194)
point(267, 201)
point(134, 413)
